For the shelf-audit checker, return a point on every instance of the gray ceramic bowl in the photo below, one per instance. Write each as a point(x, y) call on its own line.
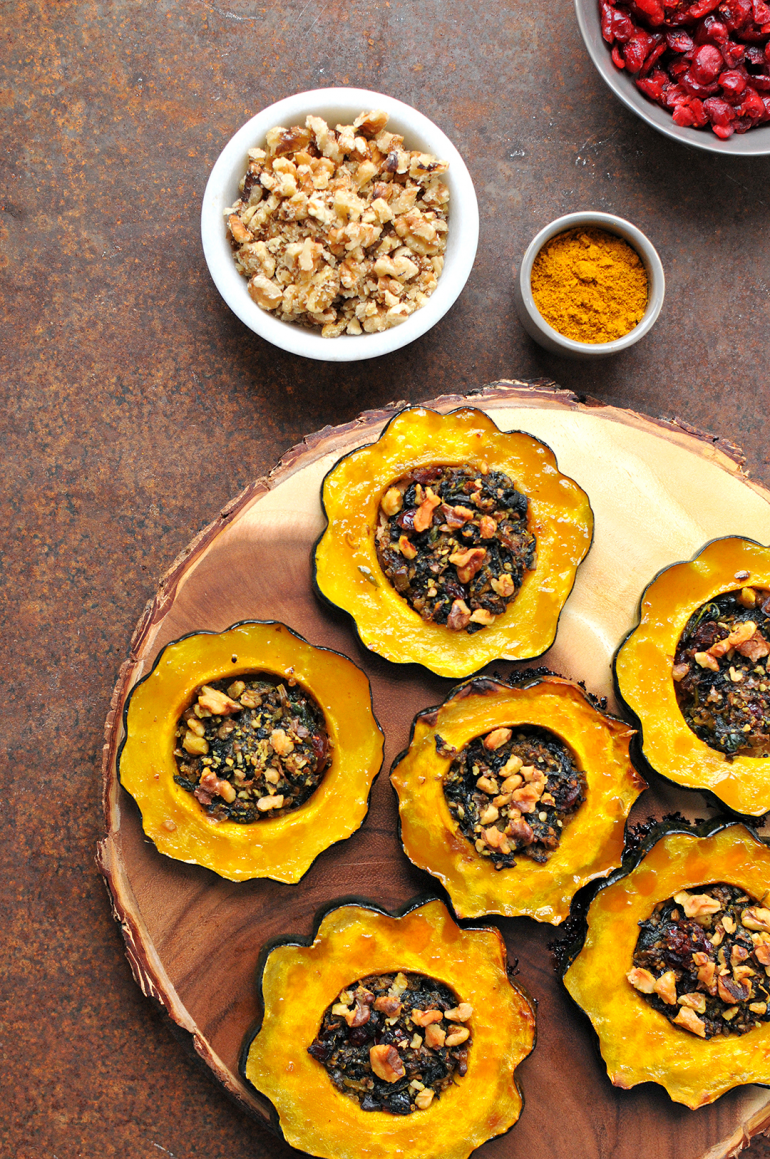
point(534, 322)
point(755, 143)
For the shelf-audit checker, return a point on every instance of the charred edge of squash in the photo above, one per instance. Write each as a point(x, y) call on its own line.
point(640, 839)
point(648, 771)
point(307, 940)
point(318, 647)
point(343, 612)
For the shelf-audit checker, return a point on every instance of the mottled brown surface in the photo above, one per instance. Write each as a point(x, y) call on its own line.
point(137, 405)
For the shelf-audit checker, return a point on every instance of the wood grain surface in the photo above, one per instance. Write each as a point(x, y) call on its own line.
point(659, 491)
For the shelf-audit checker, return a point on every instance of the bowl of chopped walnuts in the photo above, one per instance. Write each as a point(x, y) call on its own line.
point(339, 224)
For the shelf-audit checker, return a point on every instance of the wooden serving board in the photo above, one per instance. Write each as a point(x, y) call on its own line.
point(659, 491)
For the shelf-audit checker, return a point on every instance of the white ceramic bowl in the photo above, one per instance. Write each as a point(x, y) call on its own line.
point(755, 143)
point(339, 106)
point(534, 322)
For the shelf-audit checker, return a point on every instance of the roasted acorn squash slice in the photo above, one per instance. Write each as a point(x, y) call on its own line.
point(300, 979)
point(592, 841)
point(643, 674)
point(638, 1043)
point(348, 572)
point(281, 847)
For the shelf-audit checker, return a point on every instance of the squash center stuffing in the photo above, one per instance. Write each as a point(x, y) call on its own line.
point(251, 748)
point(512, 792)
point(720, 673)
point(702, 959)
point(455, 544)
point(394, 1042)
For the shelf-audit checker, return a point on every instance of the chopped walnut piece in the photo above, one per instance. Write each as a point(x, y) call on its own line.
point(641, 980)
point(756, 918)
point(392, 501)
point(194, 744)
point(265, 804)
point(696, 1002)
point(424, 515)
point(388, 1005)
point(216, 702)
point(690, 1021)
point(386, 1063)
point(460, 616)
point(426, 1017)
point(497, 738)
point(665, 987)
point(706, 660)
point(280, 742)
point(460, 1013)
point(697, 905)
point(424, 1098)
point(739, 635)
point(467, 562)
point(457, 1035)
point(435, 1036)
point(762, 953)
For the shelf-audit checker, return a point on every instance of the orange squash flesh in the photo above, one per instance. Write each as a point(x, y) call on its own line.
point(643, 674)
point(592, 841)
point(638, 1043)
point(300, 981)
point(348, 573)
point(281, 848)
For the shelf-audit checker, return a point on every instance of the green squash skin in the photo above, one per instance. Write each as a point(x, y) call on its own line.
point(342, 614)
point(242, 624)
point(289, 940)
point(648, 771)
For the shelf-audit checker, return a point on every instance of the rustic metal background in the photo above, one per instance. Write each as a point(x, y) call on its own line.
point(135, 405)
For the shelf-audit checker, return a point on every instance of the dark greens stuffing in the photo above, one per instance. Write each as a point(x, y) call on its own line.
point(703, 958)
point(251, 748)
point(512, 791)
point(720, 673)
point(454, 542)
point(394, 1042)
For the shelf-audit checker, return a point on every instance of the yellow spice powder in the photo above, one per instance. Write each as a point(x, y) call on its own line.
point(589, 285)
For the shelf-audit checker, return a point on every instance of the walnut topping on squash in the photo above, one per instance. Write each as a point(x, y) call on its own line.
point(700, 959)
point(537, 799)
point(251, 748)
point(429, 543)
point(378, 1057)
point(720, 673)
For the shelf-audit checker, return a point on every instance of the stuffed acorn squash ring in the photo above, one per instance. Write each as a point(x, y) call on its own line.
point(694, 1015)
point(516, 795)
point(370, 972)
point(450, 542)
point(250, 751)
point(694, 673)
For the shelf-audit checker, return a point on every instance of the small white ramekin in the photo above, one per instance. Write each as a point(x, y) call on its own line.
point(339, 106)
point(534, 322)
